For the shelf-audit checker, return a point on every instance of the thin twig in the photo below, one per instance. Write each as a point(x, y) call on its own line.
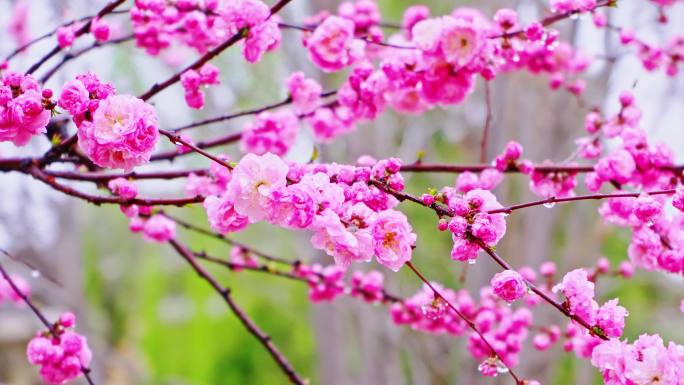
point(470, 323)
point(247, 322)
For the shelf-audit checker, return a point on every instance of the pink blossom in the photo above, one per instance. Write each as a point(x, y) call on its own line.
point(123, 188)
point(579, 292)
point(345, 246)
point(560, 6)
point(158, 228)
point(61, 357)
point(617, 166)
point(456, 40)
point(472, 220)
point(254, 18)
point(393, 239)
point(332, 45)
point(22, 109)
point(293, 206)
point(66, 35)
point(123, 133)
point(222, 215)
point(413, 15)
point(327, 125)
point(509, 285)
point(364, 13)
point(368, 286)
point(325, 283)
point(192, 80)
point(647, 209)
point(74, 98)
point(273, 132)
point(100, 29)
point(611, 318)
point(305, 92)
point(253, 179)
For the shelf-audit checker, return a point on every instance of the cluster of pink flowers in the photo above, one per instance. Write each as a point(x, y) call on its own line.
point(472, 223)
point(115, 131)
point(350, 219)
point(573, 5)
point(655, 243)
point(253, 18)
point(668, 55)
point(123, 188)
point(325, 283)
point(305, 92)
point(156, 24)
point(155, 228)
point(645, 361)
point(192, 80)
point(203, 25)
point(506, 329)
point(25, 108)
point(578, 290)
point(273, 132)
point(486, 180)
point(7, 292)
point(67, 34)
point(332, 45)
point(62, 356)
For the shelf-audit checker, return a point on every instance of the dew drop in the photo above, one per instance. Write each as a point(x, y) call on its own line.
point(549, 205)
point(35, 273)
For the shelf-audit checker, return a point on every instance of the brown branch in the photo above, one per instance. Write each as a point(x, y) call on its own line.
point(247, 322)
point(509, 209)
point(100, 177)
point(500, 261)
point(488, 122)
point(470, 323)
point(97, 200)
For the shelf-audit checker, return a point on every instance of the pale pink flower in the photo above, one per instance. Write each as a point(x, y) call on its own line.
point(158, 228)
point(222, 215)
point(123, 188)
point(393, 239)
point(579, 292)
point(123, 133)
point(253, 179)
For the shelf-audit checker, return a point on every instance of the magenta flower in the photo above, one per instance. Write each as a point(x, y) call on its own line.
point(332, 45)
point(509, 285)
